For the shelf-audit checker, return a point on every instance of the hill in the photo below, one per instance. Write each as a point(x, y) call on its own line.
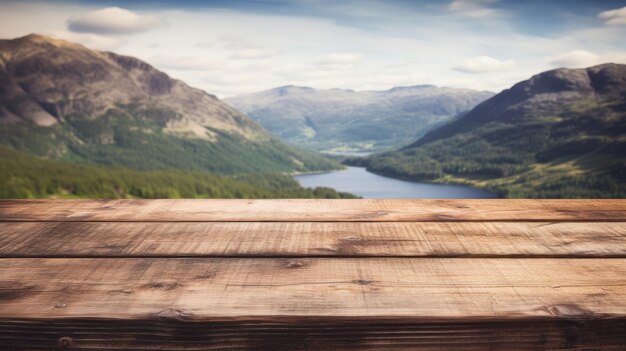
point(61, 100)
point(562, 133)
point(26, 176)
point(347, 120)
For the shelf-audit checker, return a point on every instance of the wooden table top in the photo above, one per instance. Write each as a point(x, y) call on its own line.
point(312, 274)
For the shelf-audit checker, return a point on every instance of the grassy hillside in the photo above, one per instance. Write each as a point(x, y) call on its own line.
point(61, 100)
point(26, 176)
point(127, 138)
point(557, 135)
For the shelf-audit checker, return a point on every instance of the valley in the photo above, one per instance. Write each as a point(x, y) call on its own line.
point(312, 175)
point(341, 120)
point(72, 109)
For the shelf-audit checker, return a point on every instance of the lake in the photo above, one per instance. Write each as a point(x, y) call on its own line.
point(358, 181)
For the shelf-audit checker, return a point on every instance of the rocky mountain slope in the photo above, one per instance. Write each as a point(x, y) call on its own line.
point(562, 133)
point(61, 100)
point(347, 120)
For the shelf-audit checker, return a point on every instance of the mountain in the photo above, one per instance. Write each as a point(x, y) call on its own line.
point(562, 133)
point(26, 176)
point(62, 100)
point(347, 120)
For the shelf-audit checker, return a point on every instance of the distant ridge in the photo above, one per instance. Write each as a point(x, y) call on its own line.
point(348, 120)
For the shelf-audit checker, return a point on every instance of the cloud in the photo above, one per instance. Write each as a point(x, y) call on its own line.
point(334, 62)
point(187, 63)
point(614, 17)
point(112, 20)
point(484, 64)
point(244, 48)
point(253, 54)
point(583, 58)
point(234, 42)
point(379, 45)
point(615, 57)
point(204, 45)
point(574, 59)
point(472, 8)
point(92, 41)
point(340, 58)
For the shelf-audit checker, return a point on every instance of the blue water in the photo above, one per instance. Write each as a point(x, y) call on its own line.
point(358, 181)
point(348, 153)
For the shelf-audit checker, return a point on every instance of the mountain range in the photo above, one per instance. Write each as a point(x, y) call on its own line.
point(61, 100)
point(340, 120)
point(561, 133)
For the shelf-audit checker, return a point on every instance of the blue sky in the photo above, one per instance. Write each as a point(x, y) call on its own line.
point(233, 47)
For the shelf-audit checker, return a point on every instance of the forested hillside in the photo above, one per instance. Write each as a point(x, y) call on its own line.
point(561, 133)
point(26, 176)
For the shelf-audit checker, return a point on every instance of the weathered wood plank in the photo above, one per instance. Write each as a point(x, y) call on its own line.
point(421, 289)
point(313, 210)
point(253, 239)
point(310, 334)
point(327, 279)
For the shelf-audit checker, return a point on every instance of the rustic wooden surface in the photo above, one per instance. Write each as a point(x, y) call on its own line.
point(428, 288)
point(312, 239)
point(313, 274)
point(312, 210)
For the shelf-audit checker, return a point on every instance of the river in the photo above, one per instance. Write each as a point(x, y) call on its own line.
point(358, 181)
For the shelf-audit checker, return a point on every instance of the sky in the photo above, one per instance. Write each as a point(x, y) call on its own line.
point(231, 47)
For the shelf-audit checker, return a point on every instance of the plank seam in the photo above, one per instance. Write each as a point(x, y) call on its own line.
point(270, 257)
point(599, 220)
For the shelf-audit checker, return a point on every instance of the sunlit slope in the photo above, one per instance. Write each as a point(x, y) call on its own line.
point(62, 100)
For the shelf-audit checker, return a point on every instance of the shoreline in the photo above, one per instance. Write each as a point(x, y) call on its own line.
point(295, 174)
point(495, 194)
point(498, 194)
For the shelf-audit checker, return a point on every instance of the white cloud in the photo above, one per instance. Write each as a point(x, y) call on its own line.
point(186, 63)
point(92, 41)
point(472, 8)
point(340, 58)
point(112, 20)
point(614, 57)
point(381, 45)
point(204, 45)
point(484, 64)
point(583, 58)
point(245, 48)
point(574, 59)
point(236, 42)
point(615, 17)
point(253, 54)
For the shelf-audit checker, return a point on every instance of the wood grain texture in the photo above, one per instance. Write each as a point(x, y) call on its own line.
point(313, 274)
point(273, 334)
point(313, 210)
point(422, 289)
point(313, 239)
